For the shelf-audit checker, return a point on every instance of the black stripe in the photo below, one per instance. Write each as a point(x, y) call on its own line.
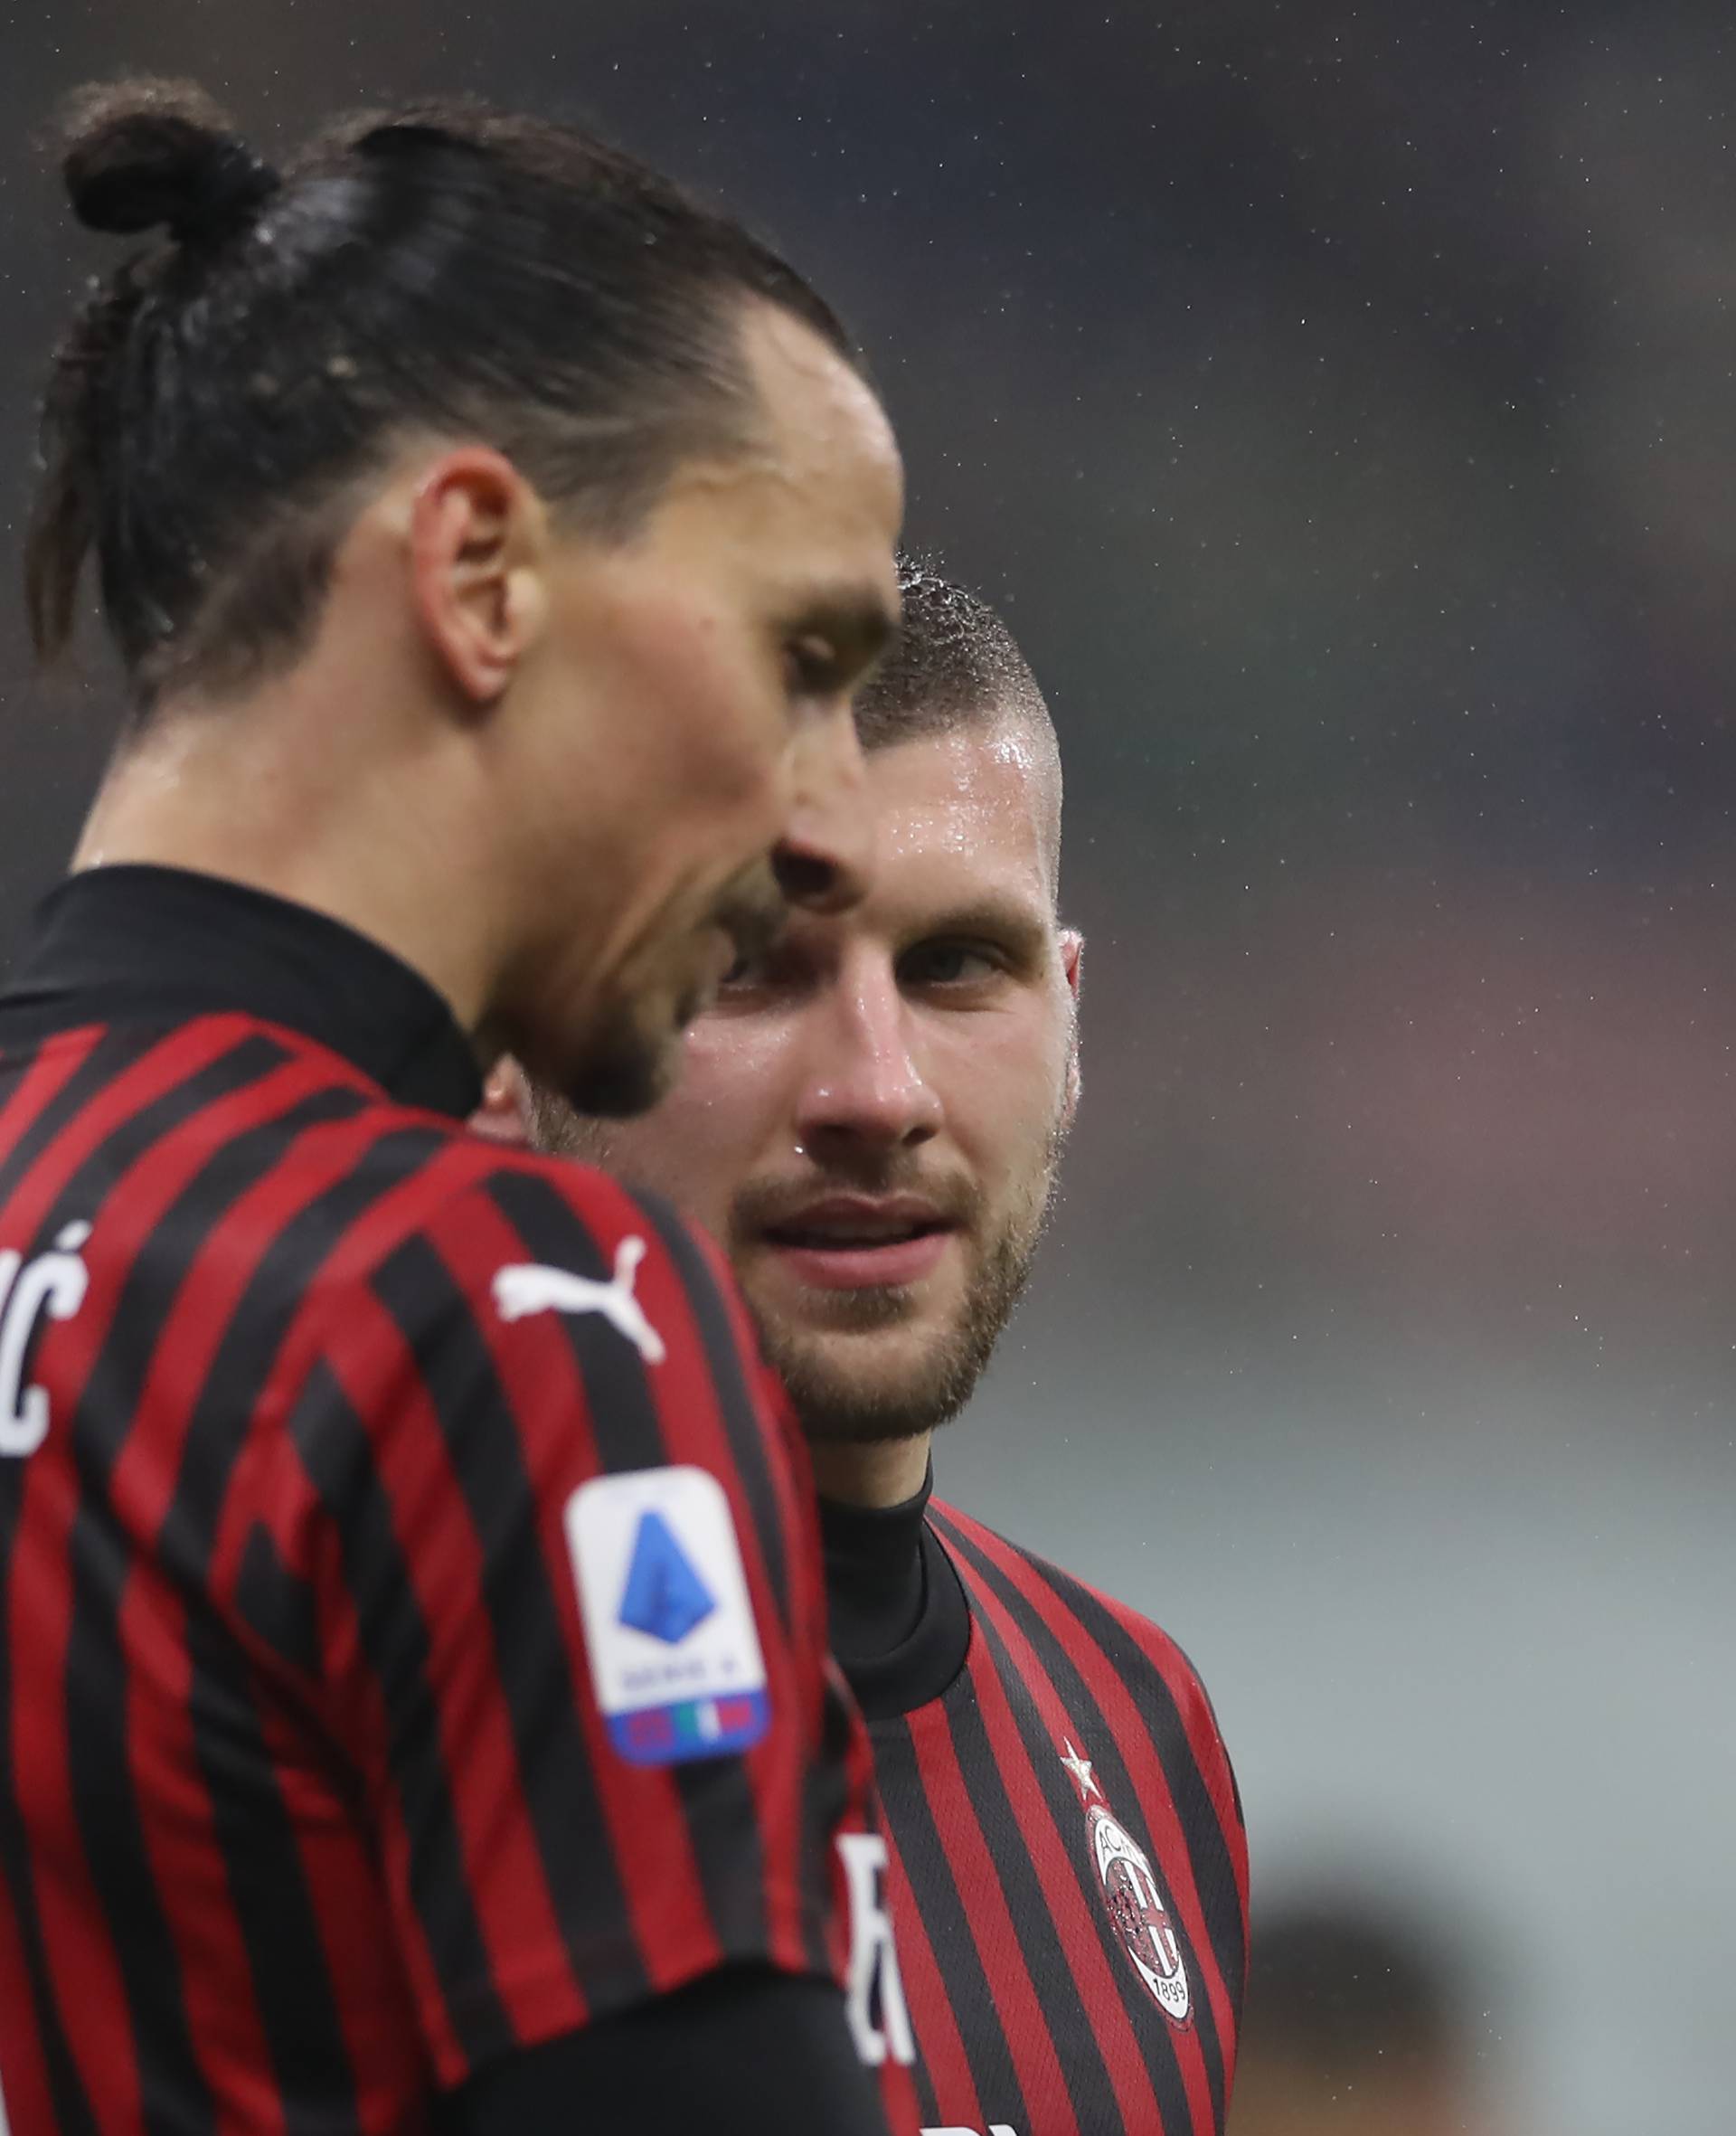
point(743, 1418)
point(113, 1054)
point(825, 1789)
point(101, 1554)
point(276, 1604)
point(72, 2114)
point(274, 1907)
point(338, 1457)
point(1213, 1872)
point(111, 1828)
point(1074, 1693)
point(1083, 2067)
point(526, 1621)
point(109, 1812)
point(717, 1793)
point(904, 1801)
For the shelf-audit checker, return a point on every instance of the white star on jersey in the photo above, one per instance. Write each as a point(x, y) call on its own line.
point(1080, 1769)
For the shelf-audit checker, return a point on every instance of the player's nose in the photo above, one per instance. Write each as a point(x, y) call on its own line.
point(823, 861)
point(866, 1081)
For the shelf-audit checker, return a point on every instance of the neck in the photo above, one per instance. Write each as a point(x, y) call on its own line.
point(871, 1473)
point(276, 797)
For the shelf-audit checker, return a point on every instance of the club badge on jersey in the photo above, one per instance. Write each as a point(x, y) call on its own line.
point(676, 1660)
point(1135, 1901)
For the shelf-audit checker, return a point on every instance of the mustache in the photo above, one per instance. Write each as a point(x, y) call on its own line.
point(763, 1203)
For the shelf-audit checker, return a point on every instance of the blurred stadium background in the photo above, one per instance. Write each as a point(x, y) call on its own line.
point(1340, 402)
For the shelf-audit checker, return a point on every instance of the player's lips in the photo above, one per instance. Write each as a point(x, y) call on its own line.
point(851, 1243)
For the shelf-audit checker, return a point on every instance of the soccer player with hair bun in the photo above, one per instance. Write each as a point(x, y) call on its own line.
point(414, 1704)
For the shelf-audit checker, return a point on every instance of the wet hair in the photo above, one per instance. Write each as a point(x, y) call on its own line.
point(221, 400)
point(954, 666)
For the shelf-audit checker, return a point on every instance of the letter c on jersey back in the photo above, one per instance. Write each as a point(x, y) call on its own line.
point(53, 1286)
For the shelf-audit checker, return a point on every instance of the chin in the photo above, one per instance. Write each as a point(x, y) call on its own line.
point(622, 1073)
point(841, 1404)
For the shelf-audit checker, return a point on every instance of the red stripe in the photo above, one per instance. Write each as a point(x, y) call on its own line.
point(993, 1928)
point(1070, 1906)
point(224, 2020)
point(186, 1863)
point(443, 1557)
point(52, 1067)
point(363, 1956)
point(88, 1990)
point(647, 1820)
point(690, 1413)
point(1149, 1779)
point(695, 1399)
point(1127, 1727)
point(87, 1983)
point(26, 2098)
point(671, 1923)
point(1053, 1857)
point(938, 2038)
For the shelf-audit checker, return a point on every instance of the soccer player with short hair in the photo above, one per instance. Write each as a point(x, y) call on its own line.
point(414, 1708)
point(870, 1120)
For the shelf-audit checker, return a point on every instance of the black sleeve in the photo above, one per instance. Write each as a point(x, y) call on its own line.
point(741, 2053)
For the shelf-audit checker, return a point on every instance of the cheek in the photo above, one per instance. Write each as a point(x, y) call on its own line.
point(704, 1142)
point(710, 712)
point(1003, 1099)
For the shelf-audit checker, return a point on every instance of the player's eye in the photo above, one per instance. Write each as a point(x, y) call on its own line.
point(813, 667)
point(947, 964)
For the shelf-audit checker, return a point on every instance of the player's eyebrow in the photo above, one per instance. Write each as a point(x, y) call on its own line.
point(1015, 925)
point(857, 619)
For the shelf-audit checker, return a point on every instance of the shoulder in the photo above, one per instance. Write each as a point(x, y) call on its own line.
point(1101, 1637)
point(445, 1240)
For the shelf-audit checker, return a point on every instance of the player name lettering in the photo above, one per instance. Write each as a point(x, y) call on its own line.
point(880, 2019)
point(50, 1287)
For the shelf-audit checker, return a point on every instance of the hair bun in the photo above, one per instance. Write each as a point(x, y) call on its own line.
point(143, 154)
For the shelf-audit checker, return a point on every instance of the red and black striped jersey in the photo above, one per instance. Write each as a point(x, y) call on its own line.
point(1069, 1867)
point(412, 1629)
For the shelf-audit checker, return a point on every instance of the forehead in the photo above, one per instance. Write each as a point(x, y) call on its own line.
point(806, 509)
point(957, 815)
point(824, 438)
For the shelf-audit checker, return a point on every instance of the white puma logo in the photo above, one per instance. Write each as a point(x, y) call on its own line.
point(529, 1288)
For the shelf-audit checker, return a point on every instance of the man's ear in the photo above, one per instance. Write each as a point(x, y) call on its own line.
point(504, 1114)
point(1072, 964)
point(479, 561)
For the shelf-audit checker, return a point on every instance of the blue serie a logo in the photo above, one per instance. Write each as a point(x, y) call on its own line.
point(669, 1626)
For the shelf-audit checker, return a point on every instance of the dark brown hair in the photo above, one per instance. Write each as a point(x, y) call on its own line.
point(954, 664)
point(440, 268)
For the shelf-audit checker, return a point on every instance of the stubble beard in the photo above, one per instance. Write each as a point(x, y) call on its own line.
point(840, 1387)
point(840, 1404)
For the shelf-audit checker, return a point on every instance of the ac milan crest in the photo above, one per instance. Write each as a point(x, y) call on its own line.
point(1135, 1903)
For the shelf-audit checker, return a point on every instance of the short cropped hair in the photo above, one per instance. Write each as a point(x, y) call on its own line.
point(956, 667)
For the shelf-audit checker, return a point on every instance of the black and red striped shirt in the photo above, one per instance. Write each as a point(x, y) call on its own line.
point(320, 1786)
point(1069, 1867)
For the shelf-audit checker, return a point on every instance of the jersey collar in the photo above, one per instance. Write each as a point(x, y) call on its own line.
point(900, 1620)
point(138, 941)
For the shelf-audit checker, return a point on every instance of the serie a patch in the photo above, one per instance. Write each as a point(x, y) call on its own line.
point(675, 1660)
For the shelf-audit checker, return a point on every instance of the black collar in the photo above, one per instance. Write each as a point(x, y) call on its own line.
point(899, 1620)
point(134, 943)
